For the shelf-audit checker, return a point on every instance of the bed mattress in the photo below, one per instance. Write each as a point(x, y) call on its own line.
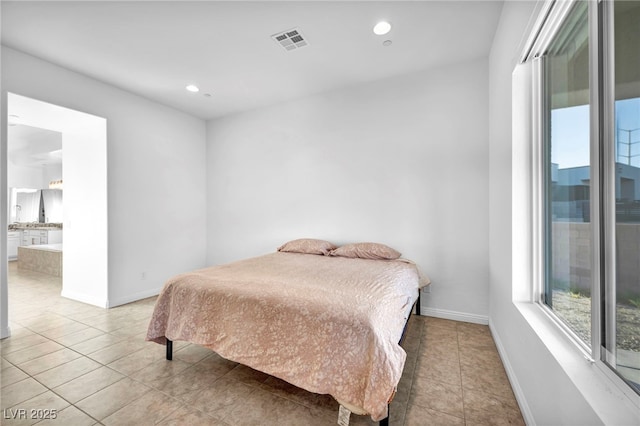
point(330, 325)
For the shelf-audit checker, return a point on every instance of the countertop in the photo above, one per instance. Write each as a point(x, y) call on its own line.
point(35, 226)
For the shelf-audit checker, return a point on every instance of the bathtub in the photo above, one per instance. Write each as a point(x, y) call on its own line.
point(44, 258)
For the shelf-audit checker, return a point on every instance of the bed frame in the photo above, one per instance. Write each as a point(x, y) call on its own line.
point(383, 422)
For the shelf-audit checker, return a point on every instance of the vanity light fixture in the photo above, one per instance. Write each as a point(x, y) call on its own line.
point(192, 88)
point(55, 184)
point(381, 28)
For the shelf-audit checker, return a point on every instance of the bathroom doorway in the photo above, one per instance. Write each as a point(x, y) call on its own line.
point(84, 210)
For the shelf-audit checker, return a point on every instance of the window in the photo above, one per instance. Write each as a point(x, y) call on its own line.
point(566, 176)
point(621, 346)
point(588, 65)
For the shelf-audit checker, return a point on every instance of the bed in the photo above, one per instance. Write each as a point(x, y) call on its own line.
point(327, 324)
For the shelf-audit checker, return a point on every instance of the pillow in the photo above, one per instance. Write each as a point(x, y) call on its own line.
point(366, 251)
point(308, 245)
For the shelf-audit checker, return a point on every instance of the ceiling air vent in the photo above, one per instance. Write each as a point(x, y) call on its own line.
point(290, 39)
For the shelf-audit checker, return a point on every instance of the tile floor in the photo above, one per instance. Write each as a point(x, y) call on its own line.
point(93, 367)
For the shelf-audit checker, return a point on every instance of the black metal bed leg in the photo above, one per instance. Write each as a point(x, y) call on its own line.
point(385, 421)
point(169, 350)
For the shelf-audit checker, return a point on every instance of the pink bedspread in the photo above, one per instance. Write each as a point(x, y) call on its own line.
point(329, 325)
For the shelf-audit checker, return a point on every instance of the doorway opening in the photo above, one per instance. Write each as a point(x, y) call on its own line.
point(80, 221)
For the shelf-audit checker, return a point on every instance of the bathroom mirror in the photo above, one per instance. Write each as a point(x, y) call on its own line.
point(52, 205)
point(35, 205)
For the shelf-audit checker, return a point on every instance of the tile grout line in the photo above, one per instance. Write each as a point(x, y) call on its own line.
point(464, 413)
point(50, 389)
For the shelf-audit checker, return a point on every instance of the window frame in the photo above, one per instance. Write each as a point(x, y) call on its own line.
point(555, 15)
point(602, 172)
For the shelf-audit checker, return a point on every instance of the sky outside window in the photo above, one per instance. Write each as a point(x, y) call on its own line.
point(571, 126)
point(628, 131)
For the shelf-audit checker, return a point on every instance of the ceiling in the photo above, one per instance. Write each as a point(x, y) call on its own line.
point(32, 146)
point(154, 49)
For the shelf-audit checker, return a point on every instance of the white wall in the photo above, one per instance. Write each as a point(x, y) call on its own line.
point(553, 382)
point(51, 172)
point(402, 161)
point(156, 174)
point(37, 177)
point(5, 331)
point(24, 176)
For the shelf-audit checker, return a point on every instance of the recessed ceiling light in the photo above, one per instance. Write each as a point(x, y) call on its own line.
point(382, 28)
point(192, 88)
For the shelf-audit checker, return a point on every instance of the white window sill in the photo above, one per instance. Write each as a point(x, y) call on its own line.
point(610, 398)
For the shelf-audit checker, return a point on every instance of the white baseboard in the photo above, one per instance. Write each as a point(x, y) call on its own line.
point(134, 297)
point(80, 297)
point(515, 385)
point(455, 316)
